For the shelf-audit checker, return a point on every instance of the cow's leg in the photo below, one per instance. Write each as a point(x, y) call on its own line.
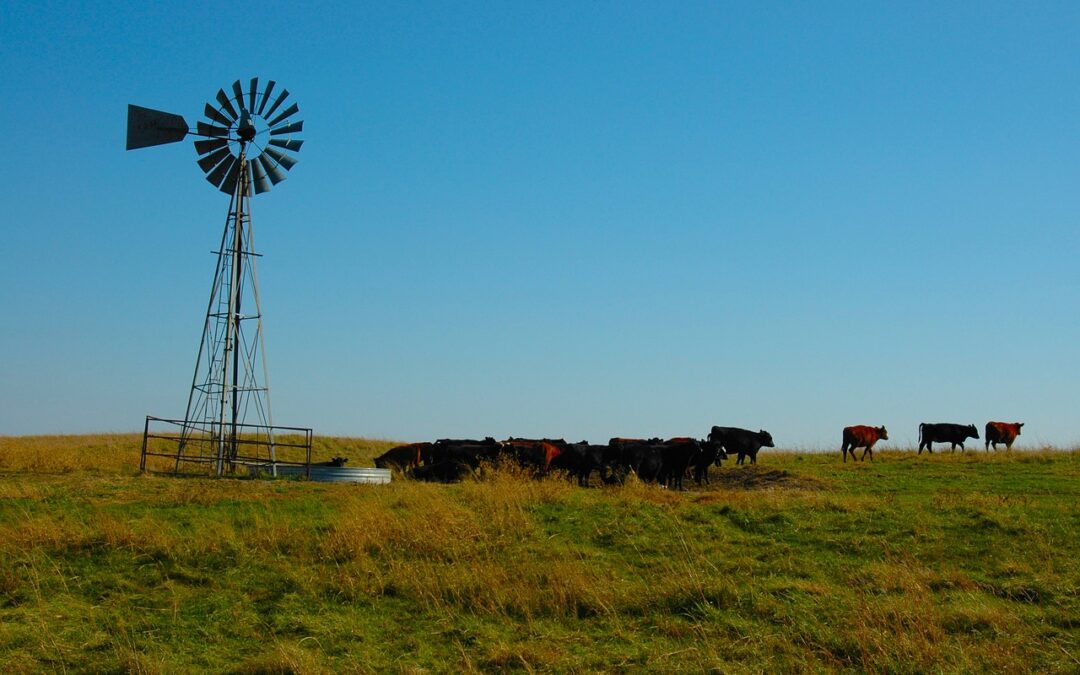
point(843, 451)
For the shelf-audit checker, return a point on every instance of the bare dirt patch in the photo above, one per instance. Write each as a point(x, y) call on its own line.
point(755, 477)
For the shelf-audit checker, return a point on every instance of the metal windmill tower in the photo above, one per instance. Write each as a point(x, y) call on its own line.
point(244, 149)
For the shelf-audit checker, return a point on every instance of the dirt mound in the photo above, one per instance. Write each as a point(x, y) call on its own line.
point(754, 477)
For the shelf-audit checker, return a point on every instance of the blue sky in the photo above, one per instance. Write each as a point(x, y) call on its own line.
point(561, 219)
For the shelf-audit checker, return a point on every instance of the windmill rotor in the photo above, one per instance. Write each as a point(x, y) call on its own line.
point(249, 125)
point(247, 121)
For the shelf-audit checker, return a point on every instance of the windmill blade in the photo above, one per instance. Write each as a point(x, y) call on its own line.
point(226, 104)
point(218, 174)
point(276, 176)
point(251, 92)
point(238, 92)
point(205, 129)
point(213, 159)
point(290, 129)
point(266, 96)
point(147, 127)
point(229, 184)
point(203, 147)
point(212, 112)
point(281, 98)
point(281, 158)
point(288, 145)
point(262, 183)
point(291, 110)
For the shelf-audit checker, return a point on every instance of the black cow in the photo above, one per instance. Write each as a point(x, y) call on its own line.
point(337, 461)
point(644, 458)
point(580, 460)
point(676, 454)
point(443, 472)
point(944, 432)
point(466, 451)
point(741, 442)
point(710, 453)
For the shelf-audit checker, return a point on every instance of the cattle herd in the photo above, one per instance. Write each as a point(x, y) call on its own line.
point(666, 462)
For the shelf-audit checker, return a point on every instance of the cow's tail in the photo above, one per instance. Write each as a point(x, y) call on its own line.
point(921, 425)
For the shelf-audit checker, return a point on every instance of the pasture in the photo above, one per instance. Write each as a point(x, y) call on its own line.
point(950, 562)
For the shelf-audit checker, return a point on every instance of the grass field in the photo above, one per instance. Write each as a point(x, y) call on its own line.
point(948, 562)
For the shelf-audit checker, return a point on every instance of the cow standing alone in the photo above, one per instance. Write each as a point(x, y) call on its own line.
point(862, 436)
point(1002, 432)
point(742, 442)
point(944, 432)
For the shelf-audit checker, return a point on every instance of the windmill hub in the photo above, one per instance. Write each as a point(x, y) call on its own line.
point(246, 129)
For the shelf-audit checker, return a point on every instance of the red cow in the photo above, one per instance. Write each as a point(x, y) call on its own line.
point(862, 436)
point(531, 452)
point(403, 457)
point(1002, 432)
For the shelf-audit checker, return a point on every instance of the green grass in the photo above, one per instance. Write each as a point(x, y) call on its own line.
point(965, 563)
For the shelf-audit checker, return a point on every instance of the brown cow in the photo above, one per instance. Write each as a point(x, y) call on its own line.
point(862, 436)
point(1002, 432)
point(403, 457)
point(536, 453)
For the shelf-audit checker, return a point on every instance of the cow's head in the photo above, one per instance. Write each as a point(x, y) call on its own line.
point(766, 438)
point(883, 433)
point(710, 446)
point(1018, 425)
point(338, 461)
point(721, 455)
point(972, 431)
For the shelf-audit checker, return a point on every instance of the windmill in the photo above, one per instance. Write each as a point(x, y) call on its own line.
point(245, 140)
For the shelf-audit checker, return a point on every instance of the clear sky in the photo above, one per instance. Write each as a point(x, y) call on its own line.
point(574, 219)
